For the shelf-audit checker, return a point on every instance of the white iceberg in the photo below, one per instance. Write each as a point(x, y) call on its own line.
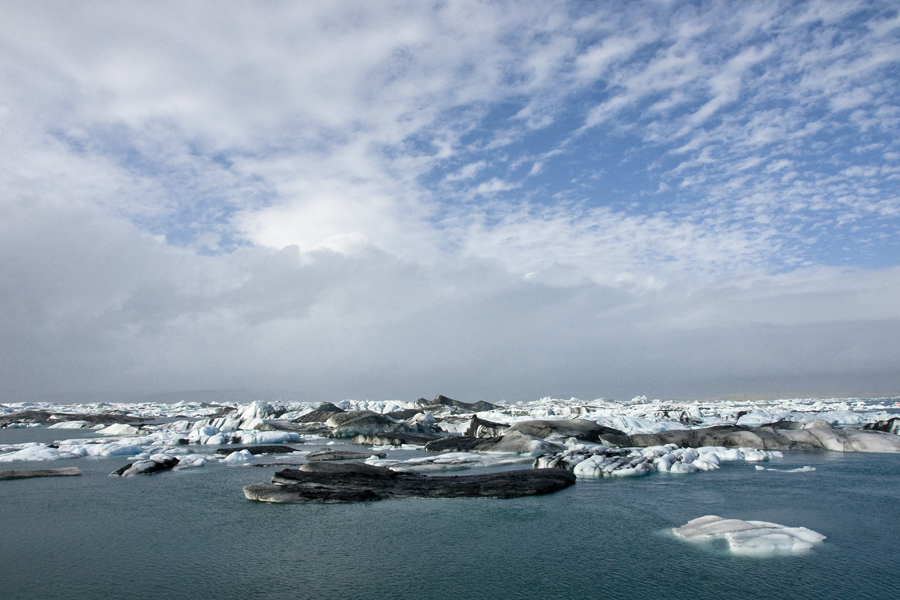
point(591, 461)
point(806, 469)
point(268, 437)
point(240, 456)
point(750, 538)
point(445, 461)
point(118, 429)
point(70, 425)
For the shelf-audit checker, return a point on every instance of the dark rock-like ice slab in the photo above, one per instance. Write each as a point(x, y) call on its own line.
point(455, 405)
point(363, 422)
point(514, 442)
point(785, 435)
point(729, 436)
point(46, 417)
point(357, 482)
point(580, 429)
point(321, 414)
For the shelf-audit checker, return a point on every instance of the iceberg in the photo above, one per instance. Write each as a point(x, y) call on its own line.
point(37, 453)
point(267, 437)
point(154, 464)
point(190, 461)
point(599, 461)
point(240, 456)
point(71, 425)
point(446, 461)
point(750, 538)
point(118, 429)
point(797, 470)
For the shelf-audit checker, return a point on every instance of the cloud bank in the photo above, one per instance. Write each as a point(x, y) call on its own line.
point(498, 200)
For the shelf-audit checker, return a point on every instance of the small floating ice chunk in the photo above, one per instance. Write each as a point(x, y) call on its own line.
point(601, 465)
point(112, 449)
point(797, 470)
point(238, 457)
point(252, 423)
point(154, 464)
point(726, 453)
point(756, 456)
point(70, 425)
point(445, 461)
point(683, 467)
point(655, 451)
point(201, 435)
point(68, 449)
point(177, 426)
point(118, 429)
point(721, 453)
point(750, 538)
point(636, 471)
point(709, 462)
point(190, 461)
point(758, 417)
point(138, 467)
point(215, 440)
point(35, 452)
point(269, 437)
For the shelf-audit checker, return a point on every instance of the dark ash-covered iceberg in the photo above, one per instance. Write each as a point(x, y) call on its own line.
point(358, 482)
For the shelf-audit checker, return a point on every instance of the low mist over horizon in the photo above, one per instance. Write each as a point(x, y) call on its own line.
point(503, 200)
point(230, 397)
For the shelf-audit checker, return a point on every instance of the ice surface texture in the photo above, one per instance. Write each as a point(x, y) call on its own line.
point(750, 538)
point(599, 461)
point(358, 482)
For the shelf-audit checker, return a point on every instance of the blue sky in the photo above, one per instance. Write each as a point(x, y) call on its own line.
point(493, 200)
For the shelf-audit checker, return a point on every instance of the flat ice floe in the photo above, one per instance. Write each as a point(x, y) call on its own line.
point(750, 538)
point(42, 452)
point(797, 470)
point(160, 441)
point(447, 461)
point(72, 425)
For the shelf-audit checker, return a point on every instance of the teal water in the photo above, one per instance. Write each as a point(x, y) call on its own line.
point(191, 534)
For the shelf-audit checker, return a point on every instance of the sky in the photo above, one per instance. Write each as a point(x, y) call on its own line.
point(489, 200)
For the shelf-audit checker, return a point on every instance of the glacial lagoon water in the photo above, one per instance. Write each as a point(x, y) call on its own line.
point(191, 534)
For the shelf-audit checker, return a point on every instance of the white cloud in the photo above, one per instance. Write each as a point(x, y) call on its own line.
point(356, 172)
point(467, 172)
point(343, 99)
point(494, 185)
point(95, 304)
